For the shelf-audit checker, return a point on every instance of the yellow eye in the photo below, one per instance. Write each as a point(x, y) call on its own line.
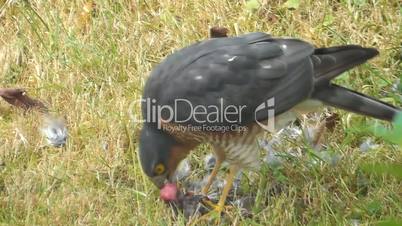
point(159, 169)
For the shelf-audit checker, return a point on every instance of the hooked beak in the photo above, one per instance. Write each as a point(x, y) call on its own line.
point(160, 180)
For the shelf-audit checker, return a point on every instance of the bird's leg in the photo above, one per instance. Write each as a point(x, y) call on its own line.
point(226, 189)
point(229, 183)
point(220, 156)
point(217, 209)
point(212, 176)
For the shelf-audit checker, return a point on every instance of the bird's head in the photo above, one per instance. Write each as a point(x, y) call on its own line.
point(160, 154)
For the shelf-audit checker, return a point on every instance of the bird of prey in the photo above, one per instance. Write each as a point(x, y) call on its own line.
point(223, 91)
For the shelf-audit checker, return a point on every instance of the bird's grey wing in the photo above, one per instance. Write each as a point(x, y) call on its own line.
point(236, 73)
point(331, 62)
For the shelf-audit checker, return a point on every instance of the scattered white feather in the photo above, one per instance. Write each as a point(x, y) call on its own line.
point(183, 170)
point(237, 181)
point(196, 185)
point(328, 157)
point(368, 145)
point(246, 202)
point(105, 146)
point(209, 162)
point(292, 132)
point(355, 222)
point(396, 85)
point(219, 184)
point(20, 136)
point(55, 132)
point(270, 157)
point(309, 134)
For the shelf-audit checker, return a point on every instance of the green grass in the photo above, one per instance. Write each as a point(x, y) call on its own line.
point(89, 67)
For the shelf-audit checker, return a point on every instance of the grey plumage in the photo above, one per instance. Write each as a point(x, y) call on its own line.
point(250, 69)
point(245, 71)
point(329, 63)
point(353, 101)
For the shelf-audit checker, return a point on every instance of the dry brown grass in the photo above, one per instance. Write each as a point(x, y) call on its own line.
point(89, 62)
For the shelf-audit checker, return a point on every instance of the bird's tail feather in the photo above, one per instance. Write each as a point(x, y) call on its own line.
point(331, 62)
point(350, 100)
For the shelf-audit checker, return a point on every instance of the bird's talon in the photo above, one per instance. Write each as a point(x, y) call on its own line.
point(208, 203)
point(214, 207)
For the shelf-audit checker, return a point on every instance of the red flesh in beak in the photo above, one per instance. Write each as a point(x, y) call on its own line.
point(169, 192)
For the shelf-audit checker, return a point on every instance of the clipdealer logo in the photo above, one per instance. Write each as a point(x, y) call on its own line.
point(218, 117)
